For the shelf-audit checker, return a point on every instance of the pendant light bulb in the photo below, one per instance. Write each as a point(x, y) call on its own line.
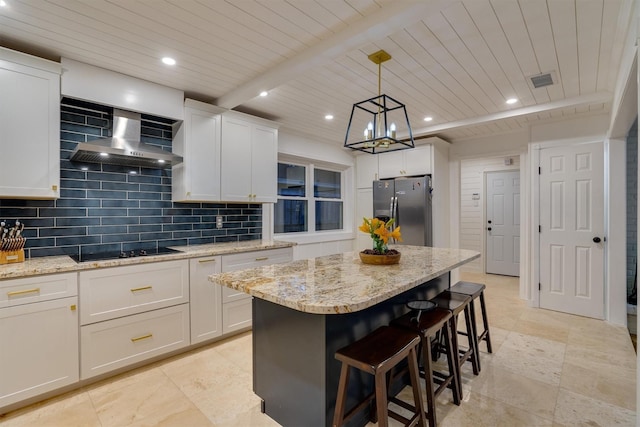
point(368, 133)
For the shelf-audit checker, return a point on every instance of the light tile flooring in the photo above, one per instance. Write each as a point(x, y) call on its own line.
point(547, 369)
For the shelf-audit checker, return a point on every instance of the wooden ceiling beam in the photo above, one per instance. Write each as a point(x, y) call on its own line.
point(386, 21)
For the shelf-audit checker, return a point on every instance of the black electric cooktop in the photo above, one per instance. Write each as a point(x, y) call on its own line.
point(101, 256)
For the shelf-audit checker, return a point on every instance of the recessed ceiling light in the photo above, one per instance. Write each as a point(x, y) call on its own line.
point(329, 117)
point(160, 161)
point(512, 101)
point(428, 119)
point(104, 154)
point(168, 61)
point(3, 3)
point(264, 93)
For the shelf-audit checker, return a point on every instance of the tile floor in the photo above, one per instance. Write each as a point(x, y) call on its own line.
point(547, 369)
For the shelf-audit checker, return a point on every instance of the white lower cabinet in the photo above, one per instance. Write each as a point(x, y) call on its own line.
point(120, 342)
point(38, 340)
point(236, 305)
point(205, 299)
point(132, 313)
point(236, 315)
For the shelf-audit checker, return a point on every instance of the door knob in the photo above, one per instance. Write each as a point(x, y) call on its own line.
point(596, 239)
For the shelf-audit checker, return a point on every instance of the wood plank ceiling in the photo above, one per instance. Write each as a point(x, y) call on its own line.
point(456, 61)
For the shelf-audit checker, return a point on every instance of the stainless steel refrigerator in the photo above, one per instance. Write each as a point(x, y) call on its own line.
point(408, 200)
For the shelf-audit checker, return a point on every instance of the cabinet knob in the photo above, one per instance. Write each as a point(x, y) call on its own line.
point(73, 307)
point(54, 187)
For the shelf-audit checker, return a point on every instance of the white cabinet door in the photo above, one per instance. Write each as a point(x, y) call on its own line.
point(366, 170)
point(38, 348)
point(249, 161)
point(415, 161)
point(205, 299)
point(197, 140)
point(236, 315)
point(264, 164)
point(30, 123)
point(236, 160)
point(391, 165)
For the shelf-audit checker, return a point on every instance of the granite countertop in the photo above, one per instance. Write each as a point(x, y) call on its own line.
point(337, 284)
point(62, 264)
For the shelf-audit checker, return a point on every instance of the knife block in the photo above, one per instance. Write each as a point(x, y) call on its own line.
point(8, 257)
point(12, 250)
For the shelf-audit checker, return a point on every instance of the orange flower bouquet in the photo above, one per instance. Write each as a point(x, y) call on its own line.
point(380, 233)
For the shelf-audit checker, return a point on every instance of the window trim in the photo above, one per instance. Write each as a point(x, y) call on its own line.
point(346, 232)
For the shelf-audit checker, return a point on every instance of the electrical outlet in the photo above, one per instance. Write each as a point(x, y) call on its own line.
point(219, 221)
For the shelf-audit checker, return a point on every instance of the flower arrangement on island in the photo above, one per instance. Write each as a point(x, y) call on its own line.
point(380, 232)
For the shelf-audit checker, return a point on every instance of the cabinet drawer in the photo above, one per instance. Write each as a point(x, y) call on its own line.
point(121, 291)
point(37, 289)
point(244, 260)
point(38, 349)
point(236, 315)
point(250, 260)
point(113, 344)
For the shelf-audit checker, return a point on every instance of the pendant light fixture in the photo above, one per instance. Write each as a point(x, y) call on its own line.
point(379, 124)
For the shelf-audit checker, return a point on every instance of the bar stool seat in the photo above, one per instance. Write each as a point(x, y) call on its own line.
point(377, 354)
point(456, 304)
point(475, 291)
point(428, 324)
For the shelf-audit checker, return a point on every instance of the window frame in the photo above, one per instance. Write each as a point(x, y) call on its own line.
point(310, 167)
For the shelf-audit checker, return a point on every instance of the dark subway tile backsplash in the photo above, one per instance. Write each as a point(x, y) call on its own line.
point(107, 208)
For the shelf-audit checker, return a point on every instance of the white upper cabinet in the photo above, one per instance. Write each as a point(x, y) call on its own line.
point(197, 140)
point(29, 126)
point(249, 159)
point(415, 161)
point(366, 170)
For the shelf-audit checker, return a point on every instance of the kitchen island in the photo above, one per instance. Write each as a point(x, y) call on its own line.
point(303, 311)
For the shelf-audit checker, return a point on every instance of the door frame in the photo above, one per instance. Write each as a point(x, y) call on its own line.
point(484, 214)
point(534, 273)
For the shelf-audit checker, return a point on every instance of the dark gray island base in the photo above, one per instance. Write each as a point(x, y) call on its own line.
point(295, 372)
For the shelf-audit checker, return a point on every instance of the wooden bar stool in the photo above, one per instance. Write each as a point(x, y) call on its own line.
point(456, 304)
point(475, 290)
point(428, 324)
point(378, 353)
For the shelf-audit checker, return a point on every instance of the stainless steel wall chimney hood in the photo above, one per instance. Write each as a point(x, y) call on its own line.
point(124, 147)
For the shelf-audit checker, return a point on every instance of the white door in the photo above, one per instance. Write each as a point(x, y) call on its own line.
point(503, 223)
point(572, 229)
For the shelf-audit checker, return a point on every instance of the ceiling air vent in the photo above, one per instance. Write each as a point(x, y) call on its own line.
point(542, 80)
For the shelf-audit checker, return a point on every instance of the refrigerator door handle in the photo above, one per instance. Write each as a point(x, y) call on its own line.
point(394, 213)
point(392, 208)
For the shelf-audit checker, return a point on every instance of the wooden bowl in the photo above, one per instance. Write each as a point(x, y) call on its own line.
point(373, 259)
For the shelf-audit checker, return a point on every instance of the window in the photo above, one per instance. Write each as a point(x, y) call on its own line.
point(305, 208)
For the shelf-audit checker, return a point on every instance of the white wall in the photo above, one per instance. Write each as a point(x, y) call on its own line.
point(593, 127)
point(306, 147)
point(472, 212)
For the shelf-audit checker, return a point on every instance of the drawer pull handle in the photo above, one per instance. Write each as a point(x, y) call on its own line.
point(144, 288)
point(144, 337)
point(262, 258)
point(26, 291)
point(207, 260)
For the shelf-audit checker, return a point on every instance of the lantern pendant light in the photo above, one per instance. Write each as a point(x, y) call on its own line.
point(381, 123)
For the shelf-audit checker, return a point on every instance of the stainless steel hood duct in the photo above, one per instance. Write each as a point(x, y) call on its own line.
point(124, 147)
